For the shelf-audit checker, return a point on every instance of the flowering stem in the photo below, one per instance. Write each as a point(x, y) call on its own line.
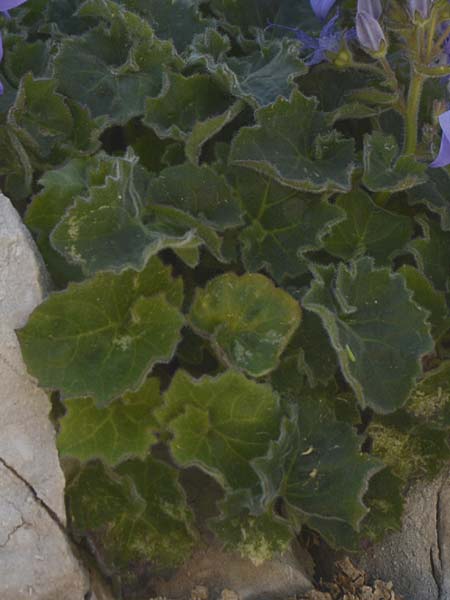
point(412, 111)
point(434, 17)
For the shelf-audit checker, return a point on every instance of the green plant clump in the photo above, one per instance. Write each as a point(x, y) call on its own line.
point(249, 243)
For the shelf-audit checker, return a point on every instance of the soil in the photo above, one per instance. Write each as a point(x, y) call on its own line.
point(349, 583)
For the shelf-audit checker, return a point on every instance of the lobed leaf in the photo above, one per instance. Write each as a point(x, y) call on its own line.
point(138, 513)
point(100, 338)
point(284, 224)
point(367, 229)
point(247, 319)
point(124, 429)
point(306, 156)
point(384, 170)
point(113, 68)
point(220, 424)
point(376, 329)
point(316, 465)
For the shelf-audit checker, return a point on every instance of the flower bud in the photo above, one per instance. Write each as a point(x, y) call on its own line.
point(422, 7)
point(369, 32)
point(371, 7)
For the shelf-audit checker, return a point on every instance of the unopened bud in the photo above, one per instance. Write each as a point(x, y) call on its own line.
point(369, 32)
point(421, 7)
point(371, 7)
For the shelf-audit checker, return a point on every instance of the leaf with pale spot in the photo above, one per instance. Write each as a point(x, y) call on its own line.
point(138, 513)
point(255, 537)
point(100, 338)
point(247, 319)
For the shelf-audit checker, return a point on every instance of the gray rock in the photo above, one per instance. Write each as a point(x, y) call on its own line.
point(23, 280)
point(36, 559)
point(417, 559)
point(217, 571)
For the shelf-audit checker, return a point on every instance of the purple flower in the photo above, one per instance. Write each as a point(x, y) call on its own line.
point(329, 40)
point(369, 32)
point(321, 8)
point(443, 158)
point(419, 6)
point(371, 7)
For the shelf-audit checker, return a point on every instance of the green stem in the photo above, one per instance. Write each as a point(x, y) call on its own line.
point(412, 111)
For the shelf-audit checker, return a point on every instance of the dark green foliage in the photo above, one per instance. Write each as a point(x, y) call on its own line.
point(244, 261)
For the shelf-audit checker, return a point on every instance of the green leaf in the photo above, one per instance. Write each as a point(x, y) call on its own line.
point(367, 229)
point(138, 513)
point(248, 14)
point(384, 500)
point(131, 216)
point(425, 295)
point(434, 195)
point(316, 465)
point(316, 356)
point(24, 57)
point(101, 337)
point(191, 109)
point(258, 538)
point(384, 170)
point(284, 224)
point(351, 94)
point(306, 156)
point(247, 319)
point(105, 230)
point(261, 77)
point(377, 330)
point(47, 208)
point(176, 20)
point(48, 126)
point(197, 199)
point(432, 253)
point(114, 68)
point(220, 424)
point(123, 430)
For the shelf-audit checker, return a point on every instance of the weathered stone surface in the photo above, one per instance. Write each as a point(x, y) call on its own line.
point(217, 571)
point(36, 559)
point(27, 438)
point(417, 559)
point(22, 276)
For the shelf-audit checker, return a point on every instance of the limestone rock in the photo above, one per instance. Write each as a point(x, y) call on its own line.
point(22, 276)
point(417, 559)
point(36, 559)
point(217, 571)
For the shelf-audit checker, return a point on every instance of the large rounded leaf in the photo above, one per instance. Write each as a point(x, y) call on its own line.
point(101, 337)
point(248, 320)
